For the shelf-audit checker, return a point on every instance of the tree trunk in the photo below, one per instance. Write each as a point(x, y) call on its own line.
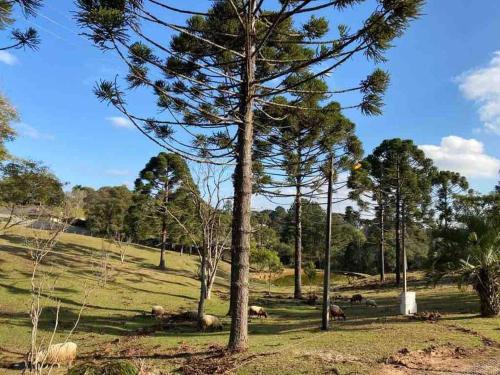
point(382, 243)
point(298, 242)
point(210, 282)
point(162, 264)
point(269, 283)
point(403, 245)
point(209, 290)
point(11, 215)
point(398, 231)
point(203, 288)
point(487, 287)
point(446, 208)
point(238, 336)
point(325, 317)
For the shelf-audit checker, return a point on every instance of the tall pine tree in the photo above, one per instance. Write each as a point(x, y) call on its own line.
point(447, 185)
point(397, 173)
point(160, 179)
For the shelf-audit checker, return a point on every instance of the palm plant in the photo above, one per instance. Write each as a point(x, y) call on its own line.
point(471, 250)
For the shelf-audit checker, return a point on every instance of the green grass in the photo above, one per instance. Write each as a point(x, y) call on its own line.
point(288, 280)
point(291, 333)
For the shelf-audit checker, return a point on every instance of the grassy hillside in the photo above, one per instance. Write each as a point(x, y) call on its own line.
point(113, 325)
point(113, 310)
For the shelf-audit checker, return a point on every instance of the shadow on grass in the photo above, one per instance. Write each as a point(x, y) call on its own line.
point(286, 315)
point(118, 325)
point(360, 315)
point(70, 256)
point(66, 251)
point(65, 300)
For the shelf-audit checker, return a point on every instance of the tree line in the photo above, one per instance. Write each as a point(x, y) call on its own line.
point(160, 211)
point(169, 206)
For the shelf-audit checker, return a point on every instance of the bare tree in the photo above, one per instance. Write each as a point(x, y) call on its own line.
point(215, 220)
point(122, 244)
point(213, 214)
point(102, 266)
point(41, 243)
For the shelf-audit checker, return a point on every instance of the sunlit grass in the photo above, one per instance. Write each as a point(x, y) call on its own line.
point(116, 310)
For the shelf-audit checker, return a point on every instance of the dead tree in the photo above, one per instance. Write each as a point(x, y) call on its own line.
point(214, 216)
point(41, 244)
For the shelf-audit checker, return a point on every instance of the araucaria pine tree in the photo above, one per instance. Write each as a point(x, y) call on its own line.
point(447, 184)
point(367, 182)
point(294, 138)
point(397, 174)
point(221, 66)
point(162, 176)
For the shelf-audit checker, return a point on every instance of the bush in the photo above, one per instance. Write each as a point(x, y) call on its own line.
point(109, 368)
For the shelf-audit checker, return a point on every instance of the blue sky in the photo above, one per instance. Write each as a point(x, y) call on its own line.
point(444, 94)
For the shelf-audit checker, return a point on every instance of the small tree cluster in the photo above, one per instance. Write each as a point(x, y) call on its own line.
point(397, 175)
point(268, 262)
point(471, 249)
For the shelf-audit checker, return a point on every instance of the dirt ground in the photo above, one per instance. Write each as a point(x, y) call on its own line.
point(433, 360)
point(448, 359)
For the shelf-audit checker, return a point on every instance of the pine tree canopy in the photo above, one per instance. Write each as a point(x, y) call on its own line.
point(20, 39)
point(197, 78)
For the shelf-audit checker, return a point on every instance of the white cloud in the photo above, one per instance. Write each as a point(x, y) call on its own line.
point(120, 122)
point(7, 58)
point(31, 132)
point(482, 85)
point(117, 172)
point(465, 156)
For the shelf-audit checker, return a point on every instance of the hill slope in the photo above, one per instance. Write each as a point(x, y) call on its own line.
point(114, 323)
point(113, 308)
